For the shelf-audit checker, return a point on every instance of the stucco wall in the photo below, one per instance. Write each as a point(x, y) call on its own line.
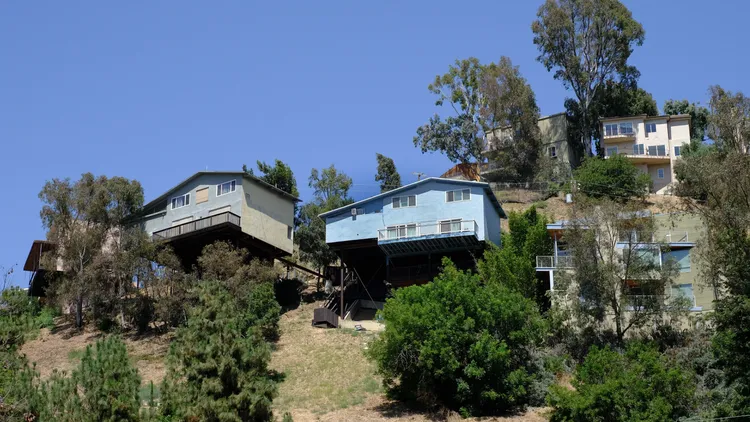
point(267, 215)
point(166, 216)
point(660, 184)
point(431, 207)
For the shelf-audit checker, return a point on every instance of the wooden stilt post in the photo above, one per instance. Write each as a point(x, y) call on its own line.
point(341, 292)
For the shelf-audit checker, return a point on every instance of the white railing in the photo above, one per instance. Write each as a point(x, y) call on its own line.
point(619, 130)
point(676, 237)
point(414, 230)
point(562, 261)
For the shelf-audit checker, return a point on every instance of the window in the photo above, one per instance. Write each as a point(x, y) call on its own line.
point(289, 232)
point(404, 201)
point(611, 151)
point(402, 231)
point(660, 150)
point(660, 173)
point(225, 188)
point(553, 152)
point(458, 195)
point(610, 130)
point(684, 290)
point(638, 149)
point(650, 128)
point(181, 201)
point(626, 128)
point(681, 257)
point(450, 226)
point(677, 151)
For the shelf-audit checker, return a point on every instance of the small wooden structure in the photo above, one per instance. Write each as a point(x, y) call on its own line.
point(325, 318)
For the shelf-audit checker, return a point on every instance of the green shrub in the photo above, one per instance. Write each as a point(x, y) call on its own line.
point(263, 311)
point(615, 178)
point(217, 370)
point(459, 342)
point(638, 385)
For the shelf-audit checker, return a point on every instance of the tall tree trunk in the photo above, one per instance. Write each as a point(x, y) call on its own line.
point(79, 311)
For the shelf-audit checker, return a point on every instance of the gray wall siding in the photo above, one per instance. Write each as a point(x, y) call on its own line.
point(167, 216)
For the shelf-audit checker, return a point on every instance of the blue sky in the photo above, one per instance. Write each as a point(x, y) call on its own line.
point(155, 91)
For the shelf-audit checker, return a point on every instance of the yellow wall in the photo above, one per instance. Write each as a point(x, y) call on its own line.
point(267, 215)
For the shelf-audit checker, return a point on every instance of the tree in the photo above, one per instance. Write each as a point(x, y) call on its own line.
point(81, 218)
point(617, 282)
point(639, 385)
point(515, 263)
point(615, 178)
point(729, 121)
point(614, 99)
point(387, 174)
point(509, 102)
point(459, 341)
point(217, 370)
point(716, 186)
point(587, 42)
point(461, 136)
point(103, 387)
point(331, 191)
point(279, 175)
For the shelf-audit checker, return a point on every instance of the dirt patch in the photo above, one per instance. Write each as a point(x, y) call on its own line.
point(61, 349)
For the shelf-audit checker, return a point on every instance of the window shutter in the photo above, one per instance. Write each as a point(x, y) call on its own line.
point(187, 199)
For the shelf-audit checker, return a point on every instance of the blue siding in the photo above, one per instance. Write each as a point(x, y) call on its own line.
point(431, 207)
point(164, 218)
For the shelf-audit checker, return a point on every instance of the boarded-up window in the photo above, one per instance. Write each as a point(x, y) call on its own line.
point(201, 195)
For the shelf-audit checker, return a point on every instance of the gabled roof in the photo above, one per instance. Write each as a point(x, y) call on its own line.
point(485, 186)
point(230, 173)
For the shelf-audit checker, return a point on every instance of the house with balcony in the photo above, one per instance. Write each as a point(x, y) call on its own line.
point(652, 143)
point(398, 238)
point(554, 144)
point(231, 206)
point(674, 238)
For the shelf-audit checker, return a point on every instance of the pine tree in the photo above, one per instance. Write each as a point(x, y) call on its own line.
point(216, 370)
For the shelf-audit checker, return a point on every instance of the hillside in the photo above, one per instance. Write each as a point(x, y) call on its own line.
point(325, 374)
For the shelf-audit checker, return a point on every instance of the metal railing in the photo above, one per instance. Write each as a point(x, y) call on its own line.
point(562, 261)
point(415, 230)
point(620, 131)
point(676, 237)
point(199, 224)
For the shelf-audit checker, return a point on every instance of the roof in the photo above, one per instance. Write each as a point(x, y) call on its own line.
point(485, 186)
point(647, 117)
point(232, 173)
point(37, 248)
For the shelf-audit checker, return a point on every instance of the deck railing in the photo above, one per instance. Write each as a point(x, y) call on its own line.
point(416, 230)
point(196, 225)
point(562, 261)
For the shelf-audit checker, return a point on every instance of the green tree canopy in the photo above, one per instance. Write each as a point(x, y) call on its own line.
point(515, 263)
point(587, 43)
point(459, 136)
point(461, 341)
point(698, 116)
point(331, 191)
point(216, 369)
point(639, 385)
point(387, 174)
point(615, 178)
point(279, 175)
point(510, 103)
point(729, 121)
point(80, 217)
